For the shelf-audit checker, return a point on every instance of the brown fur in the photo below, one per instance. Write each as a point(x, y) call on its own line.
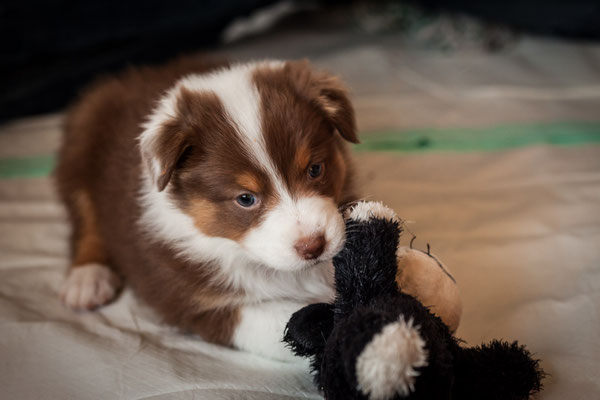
point(100, 157)
point(89, 247)
point(98, 177)
point(303, 156)
point(303, 132)
point(249, 182)
point(215, 169)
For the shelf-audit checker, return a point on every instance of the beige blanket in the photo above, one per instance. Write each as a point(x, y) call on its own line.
point(519, 225)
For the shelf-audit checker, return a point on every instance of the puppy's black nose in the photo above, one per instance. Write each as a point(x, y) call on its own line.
point(310, 247)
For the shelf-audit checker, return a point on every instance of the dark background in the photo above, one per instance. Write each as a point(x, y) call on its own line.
point(50, 49)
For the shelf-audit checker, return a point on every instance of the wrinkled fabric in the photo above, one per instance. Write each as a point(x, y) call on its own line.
point(519, 228)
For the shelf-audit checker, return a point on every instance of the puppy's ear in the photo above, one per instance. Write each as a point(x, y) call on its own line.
point(171, 129)
point(162, 154)
point(328, 93)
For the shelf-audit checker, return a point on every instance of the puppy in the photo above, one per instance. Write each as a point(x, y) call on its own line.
point(214, 190)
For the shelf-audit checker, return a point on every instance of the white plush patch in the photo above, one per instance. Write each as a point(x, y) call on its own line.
point(89, 286)
point(366, 210)
point(386, 366)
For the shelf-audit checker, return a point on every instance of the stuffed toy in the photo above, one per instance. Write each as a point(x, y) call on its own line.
point(377, 342)
point(424, 276)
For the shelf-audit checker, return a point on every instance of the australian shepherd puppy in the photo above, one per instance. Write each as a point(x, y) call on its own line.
point(214, 190)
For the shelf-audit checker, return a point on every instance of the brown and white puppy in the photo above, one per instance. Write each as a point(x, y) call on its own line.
point(215, 191)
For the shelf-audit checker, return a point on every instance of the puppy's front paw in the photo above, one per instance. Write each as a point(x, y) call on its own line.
point(89, 286)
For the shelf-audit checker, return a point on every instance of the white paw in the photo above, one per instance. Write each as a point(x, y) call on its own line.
point(89, 286)
point(366, 210)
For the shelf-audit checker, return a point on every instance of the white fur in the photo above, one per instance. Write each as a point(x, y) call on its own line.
point(366, 210)
point(386, 366)
point(89, 286)
point(273, 240)
point(236, 267)
point(261, 327)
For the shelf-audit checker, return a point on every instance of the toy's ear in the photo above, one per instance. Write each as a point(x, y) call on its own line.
point(308, 329)
point(497, 370)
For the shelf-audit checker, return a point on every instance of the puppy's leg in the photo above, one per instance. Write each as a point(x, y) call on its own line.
point(90, 282)
point(260, 329)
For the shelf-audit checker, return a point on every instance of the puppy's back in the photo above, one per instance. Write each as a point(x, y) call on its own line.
point(109, 112)
point(98, 170)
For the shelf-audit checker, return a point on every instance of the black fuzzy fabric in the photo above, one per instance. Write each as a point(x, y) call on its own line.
point(367, 300)
point(337, 374)
point(308, 329)
point(507, 368)
point(366, 266)
point(52, 49)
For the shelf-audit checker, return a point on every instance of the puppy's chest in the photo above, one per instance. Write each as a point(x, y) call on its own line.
point(254, 282)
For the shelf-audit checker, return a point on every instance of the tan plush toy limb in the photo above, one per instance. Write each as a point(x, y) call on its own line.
point(423, 276)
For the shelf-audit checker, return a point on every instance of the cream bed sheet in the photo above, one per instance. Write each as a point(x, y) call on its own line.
point(520, 229)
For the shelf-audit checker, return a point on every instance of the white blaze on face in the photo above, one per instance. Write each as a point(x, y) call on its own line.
point(273, 241)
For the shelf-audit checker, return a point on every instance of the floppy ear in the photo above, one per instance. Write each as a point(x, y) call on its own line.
point(162, 154)
point(328, 94)
point(168, 133)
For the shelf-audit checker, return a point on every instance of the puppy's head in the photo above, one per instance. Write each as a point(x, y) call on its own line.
point(256, 153)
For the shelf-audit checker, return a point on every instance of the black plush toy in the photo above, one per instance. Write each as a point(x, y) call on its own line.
point(375, 342)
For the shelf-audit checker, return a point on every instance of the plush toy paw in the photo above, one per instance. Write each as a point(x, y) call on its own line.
point(308, 328)
point(366, 210)
point(389, 363)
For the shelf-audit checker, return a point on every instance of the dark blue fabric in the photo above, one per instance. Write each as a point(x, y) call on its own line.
point(51, 48)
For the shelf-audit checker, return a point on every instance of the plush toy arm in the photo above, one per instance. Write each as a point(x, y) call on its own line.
point(366, 267)
point(308, 329)
point(496, 371)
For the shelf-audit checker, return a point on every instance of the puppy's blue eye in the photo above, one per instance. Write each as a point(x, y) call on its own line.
point(246, 200)
point(315, 170)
